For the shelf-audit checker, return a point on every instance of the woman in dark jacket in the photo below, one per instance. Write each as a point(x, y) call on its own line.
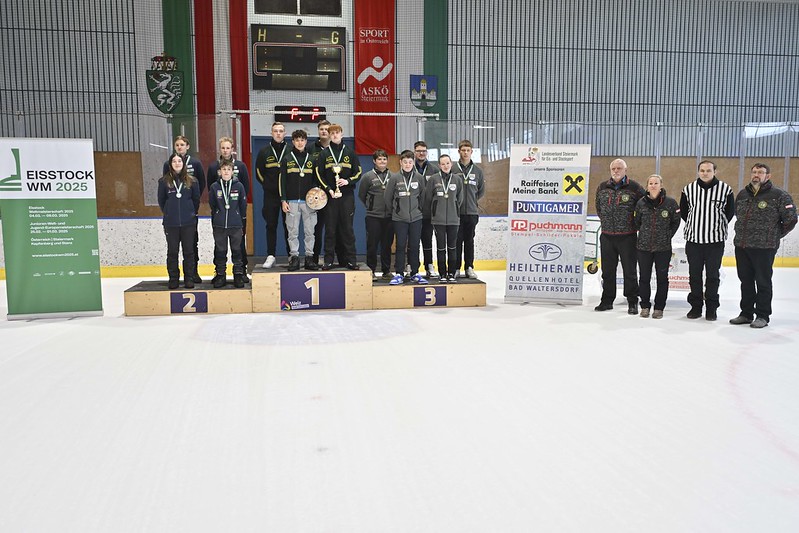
point(656, 218)
point(179, 200)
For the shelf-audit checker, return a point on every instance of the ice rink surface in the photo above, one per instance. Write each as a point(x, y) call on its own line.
point(508, 418)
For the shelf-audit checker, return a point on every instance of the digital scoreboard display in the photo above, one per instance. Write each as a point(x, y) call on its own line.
point(300, 113)
point(294, 58)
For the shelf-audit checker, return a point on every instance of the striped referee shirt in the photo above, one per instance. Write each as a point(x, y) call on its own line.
point(707, 210)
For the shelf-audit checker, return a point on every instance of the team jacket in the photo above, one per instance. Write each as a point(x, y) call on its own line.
point(178, 211)
point(194, 168)
point(429, 169)
point(267, 166)
point(292, 185)
point(373, 185)
point(474, 186)
point(240, 173)
point(657, 220)
point(347, 160)
point(764, 217)
point(443, 196)
point(615, 205)
point(404, 196)
point(237, 200)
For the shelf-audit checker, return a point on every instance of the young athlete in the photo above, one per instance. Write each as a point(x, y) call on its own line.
point(379, 227)
point(228, 202)
point(444, 197)
point(296, 179)
point(403, 195)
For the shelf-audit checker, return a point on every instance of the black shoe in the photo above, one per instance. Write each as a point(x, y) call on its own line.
point(189, 283)
point(196, 278)
point(245, 277)
point(327, 266)
point(386, 275)
point(310, 264)
point(219, 281)
point(603, 307)
point(353, 266)
point(741, 319)
point(238, 281)
point(632, 308)
point(294, 263)
point(710, 314)
point(173, 283)
point(696, 312)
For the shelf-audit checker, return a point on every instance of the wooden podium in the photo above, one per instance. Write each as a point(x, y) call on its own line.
point(276, 290)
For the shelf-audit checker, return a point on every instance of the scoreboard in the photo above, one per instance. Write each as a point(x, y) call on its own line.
point(295, 58)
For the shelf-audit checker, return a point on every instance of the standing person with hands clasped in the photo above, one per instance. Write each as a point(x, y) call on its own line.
point(379, 227)
point(228, 201)
point(443, 199)
point(179, 200)
point(296, 179)
point(403, 195)
point(657, 219)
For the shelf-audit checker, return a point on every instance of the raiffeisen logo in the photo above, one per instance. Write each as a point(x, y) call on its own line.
point(13, 183)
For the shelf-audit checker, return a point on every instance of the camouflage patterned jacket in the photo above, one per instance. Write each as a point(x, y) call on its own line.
point(615, 205)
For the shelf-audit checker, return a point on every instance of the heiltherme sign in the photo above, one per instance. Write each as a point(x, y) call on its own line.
point(49, 216)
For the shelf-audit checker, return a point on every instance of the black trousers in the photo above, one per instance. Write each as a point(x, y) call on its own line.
point(755, 269)
point(427, 241)
point(704, 258)
point(338, 229)
point(408, 236)
point(465, 241)
point(221, 238)
point(661, 261)
point(446, 249)
point(272, 211)
point(178, 237)
point(319, 238)
point(379, 237)
point(615, 248)
point(242, 250)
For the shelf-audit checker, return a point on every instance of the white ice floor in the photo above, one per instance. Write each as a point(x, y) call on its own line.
point(500, 419)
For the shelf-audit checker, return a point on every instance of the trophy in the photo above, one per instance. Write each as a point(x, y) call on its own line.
point(316, 198)
point(337, 170)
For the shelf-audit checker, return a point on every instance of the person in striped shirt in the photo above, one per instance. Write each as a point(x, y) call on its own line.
point(707, 206)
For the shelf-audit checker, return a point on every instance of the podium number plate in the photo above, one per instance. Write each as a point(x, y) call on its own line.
point(188, 302)
point(313, 291)
point(429, 296)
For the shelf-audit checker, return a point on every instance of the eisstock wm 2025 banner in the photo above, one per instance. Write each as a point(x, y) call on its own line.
point(49, 213)
point(547, 201)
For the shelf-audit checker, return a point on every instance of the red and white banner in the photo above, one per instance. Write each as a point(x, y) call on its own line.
point(374, 75)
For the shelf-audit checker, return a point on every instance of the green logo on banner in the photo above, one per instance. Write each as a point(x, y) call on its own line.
point(13, 183)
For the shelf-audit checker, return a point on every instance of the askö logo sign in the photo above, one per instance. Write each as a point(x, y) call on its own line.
point(13, 182)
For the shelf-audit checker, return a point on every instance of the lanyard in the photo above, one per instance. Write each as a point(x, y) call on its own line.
point(465, 174)
point(408, 182)
point(382, 181)
point(302, 167)
point(226, 192)
point(178, 188)
point(279, 159)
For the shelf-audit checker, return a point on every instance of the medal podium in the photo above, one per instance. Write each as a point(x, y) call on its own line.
point(277, 290)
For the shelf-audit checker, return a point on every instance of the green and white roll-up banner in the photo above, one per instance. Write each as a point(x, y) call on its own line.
point(49, 211)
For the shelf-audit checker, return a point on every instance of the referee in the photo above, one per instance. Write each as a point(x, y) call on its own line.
point(706, 205)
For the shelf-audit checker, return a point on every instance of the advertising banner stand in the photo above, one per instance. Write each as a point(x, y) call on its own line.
point(547, 203)
point(49, 211)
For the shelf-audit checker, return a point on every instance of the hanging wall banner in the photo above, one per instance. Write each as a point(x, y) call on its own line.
point(49, 213)
point(547, 202)
point(374, 71)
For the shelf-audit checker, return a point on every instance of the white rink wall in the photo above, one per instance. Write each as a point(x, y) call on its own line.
point(140, 241)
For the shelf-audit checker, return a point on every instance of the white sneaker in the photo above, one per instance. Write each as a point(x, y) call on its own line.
point(459, 274)
point(398, 279)
point(470, 273)
point(431, 271)
point(270, 261)
point(375, 275)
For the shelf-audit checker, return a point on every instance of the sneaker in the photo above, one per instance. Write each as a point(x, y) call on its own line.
point(310, 264)
point(375, 275)
point(632, 308)
point(327, 266)
point(353, 266)
point(270, 261)
point(710, 315)
point(758, 323)
point(603, 307)
point(173, 283)
point(219, 281)
point(443, 279)
point(196, 278)
point(418, 278)
point(644, 312)
point(695, 312)
point(740, 319)
point(245, 277)
point(452, 278)
point(460, 274)
point(431, 271)
point(238, 281)
point(189, 283)
point(294, 263)
point(398, 279)
point(657, 313)
point(470, 273)
point(386, 275)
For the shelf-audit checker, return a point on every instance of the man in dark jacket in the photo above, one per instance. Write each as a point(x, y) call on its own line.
point(615, 205)
point(764, 215)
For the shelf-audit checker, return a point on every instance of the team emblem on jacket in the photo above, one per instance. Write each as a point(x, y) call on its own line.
point(664, 214)
point(625, 197)
point(452, 186)
point(414, 185)
point(219, 193)
point(762, 204)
